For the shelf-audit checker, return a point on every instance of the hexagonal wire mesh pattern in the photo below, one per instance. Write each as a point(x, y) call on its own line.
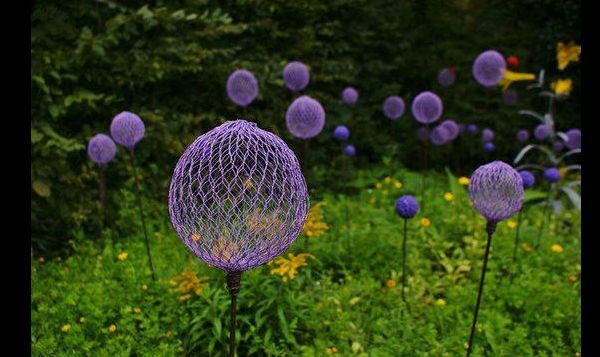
point(237, 197)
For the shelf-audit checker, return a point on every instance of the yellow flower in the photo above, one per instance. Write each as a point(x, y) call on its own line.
point(264, 226)
point(315, 226)
point(372, 200)
point(144, 287)
point(82, 319)
point(331, 350)
point(562, 171)
point(390, 283)
point(112, 328)
point(398, 184)
point(463, 181)
point(511, 224)
point(66, 328)
point(440, 302)
point(557, 248)
point(185, 297)
point(388, 180)
point(527, 247)
point(566, 54)
point(288, 268)
point(384, 192)
point(41, 259)
point(510, 77)
point(448, 196)
point(122, 256)
point(425, 222)
point(378, 185)
point(562, 86)
point(573, 278)
point(137, 310)
point(188, 281)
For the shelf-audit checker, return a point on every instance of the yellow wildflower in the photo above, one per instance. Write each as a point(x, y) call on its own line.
point(425, 222)
point(463, 181)
point(562, 86)
point(398, 184)
point(557, 248)
point(388, 180)
point(566, 54)
point(288, 268)
point(372, 200)
point(137, 310)
point(385, 192)
point(144, 287)
point(440, 302)
point(82, 319)
point(223, 249)
point(122, 256)
point(448, 196)
point(511, 224)
point(112, 328)
point(510, 77)
point(41, 259)
point(378, 185)
point(331, 350)
point(573, 278)
point(264, 226)
point(188, 281)
point(66, 328)
point(390, 283)
point(527, 247)
point(185, 297)
point(195, 237)
point(562, 171)
point(315, 226)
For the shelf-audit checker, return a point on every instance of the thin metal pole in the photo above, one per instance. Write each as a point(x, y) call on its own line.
point(404, 262)
point(517, 236)
point(139, 202)
point(104, 209)
point(233, 286)
point(546, 213)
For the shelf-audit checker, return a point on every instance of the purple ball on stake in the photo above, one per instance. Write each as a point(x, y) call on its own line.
point(101, 150)
point(452, 128)
point(349, 96)
point(487, 134)
point(541, 132)
point(393, 107)
point(296, 76)
point(472, 128)
point(406, 207)
point(439, 135)
point(489, 146)
point(427, 107)
point(522, 135)
point(573, 139)
point(341, 133)
point(350, 150)
point(488, 68)
point(242, 87)
point(528, 181)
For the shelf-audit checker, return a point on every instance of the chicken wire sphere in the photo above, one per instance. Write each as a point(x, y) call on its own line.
point(296, 76)
point(573, 139)
point(472, 128)
point(552, 175)
point(439, 135)
point(488, 68)
point(242, 87)
point(127, 129)
point(541, 132)
point(393, 107)
point(452, 127)
point(350, 150)
point(522, 135)
point(407, 206)
point(305, 118)
point(489, 146)
point(427, 107)
point(510, 97)
point(487, 135)
point(349, 96)
point(101, 149)
point(423, 134)
point(446, 77)
point(496, 191)
point(528, 178)
point(237, 197)
point(341, 133)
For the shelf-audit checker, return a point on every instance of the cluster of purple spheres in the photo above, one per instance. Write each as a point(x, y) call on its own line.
point(305, 118)
point(126, 129)
point(393, 107)
point(427, 107)
point(242, 87)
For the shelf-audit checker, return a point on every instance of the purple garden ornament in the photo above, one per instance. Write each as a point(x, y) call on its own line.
point(487, 135)
point(528, 178)
point(446, 77)
point(237, 200)
point(393, 107)
point(541, 132)
point(349, 96)
point(573, 139)
point(341, 133)
point(489, 146)
point(488, 68)
point(296, 76)
point(552, 175)
point(528, 181)
point(522, 135)
point(439, 135)
point(101, 150)
point(242, 87)
point(472, 128)
point(427, 107)
point(558, 146)
point(406, 207)
point(350, 150)
point(305, 118)
point(452, 127)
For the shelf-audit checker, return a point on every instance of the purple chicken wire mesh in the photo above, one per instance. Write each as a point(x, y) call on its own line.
point(510, 97)
point(427, 107)
point(573, 139)
point(341, 133)
point(237, 197)
point(101, 149)
point(487, 135)
point(488, 68)
point(393, 107)
point(452, 127)
point(242, 87)
point(439, 135)
point(349, 96)
point(496, 191)
point(446, 77)
point(522, 135)
point(296, 76)
point(305, 118)
point(127, 129)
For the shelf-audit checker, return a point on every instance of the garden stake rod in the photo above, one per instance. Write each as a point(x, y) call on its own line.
point(404, 262)
point(517, 236)
point(233, 286)
point(546, 215)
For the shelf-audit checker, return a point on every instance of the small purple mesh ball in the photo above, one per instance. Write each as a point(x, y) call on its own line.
point(296, 76)
point(541, 132)
point(101, 149)
point(489, 146)
point(487, 135)
point(558, 146)
point(496, 191)
point(127, 129)
point(439, 135)
point(350, 150)
point(393, 107)
point(242, 87)
point(237, 197)
point(510, 97)
point(488, 68)
point(349, 96)
point(528, 178)
point(573, 139)
point(446, 77)
point(472, 128)
point(407, 206)
point(427, 107)
point(452, 127)
point(341, 133)
point(423, 133)
point(305, 117)
point(522, 135)
point(552, 175)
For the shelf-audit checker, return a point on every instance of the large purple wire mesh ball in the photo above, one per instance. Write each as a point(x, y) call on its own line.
point(472, 128)
point(101, 149)
point(127, 129)
point(350, 150)
point(487, 135)
point(558, 146)
point(237, 197)
point(242, 87)
point(522, 135)
point(427, 107)
point(305, 118)
point(439, 135)
point(423, 133)
point(552, 175)
point(489, 146)
point(452, 127)
point(407, 206)
point(393, 107)
point(488, 68)
point(446, 77)
point(296, 76)
point(341, 133)
point(573, 139)
point(510, 97)
point(528, 178)
point(349, 96)
point(541, 132)
point(496, 191)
